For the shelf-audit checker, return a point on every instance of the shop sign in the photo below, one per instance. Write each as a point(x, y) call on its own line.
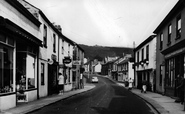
point(175, 52)
point(77, 62)
point(66, 60)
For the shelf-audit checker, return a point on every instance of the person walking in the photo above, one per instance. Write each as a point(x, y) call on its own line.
point(144, 86)
point(81, 81)
point(130, 84)
point(61, 84)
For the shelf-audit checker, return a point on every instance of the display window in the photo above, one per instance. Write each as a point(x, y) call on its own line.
point(6, 69)
point(25, 72)
point(6, 63)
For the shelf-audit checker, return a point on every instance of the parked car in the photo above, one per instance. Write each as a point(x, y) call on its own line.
point(94, 80)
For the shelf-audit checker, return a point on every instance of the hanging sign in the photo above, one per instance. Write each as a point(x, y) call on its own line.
point(66, 60)
point(76, 62)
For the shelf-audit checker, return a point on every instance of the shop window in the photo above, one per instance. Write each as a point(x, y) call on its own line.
point(42, 74)
point(25, 71)
point(6, 69)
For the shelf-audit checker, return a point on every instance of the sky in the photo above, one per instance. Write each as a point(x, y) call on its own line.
point(116, 23)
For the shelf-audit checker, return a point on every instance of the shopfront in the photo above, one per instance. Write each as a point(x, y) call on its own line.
point(174, 70)
point(26, 72)
point(18, 65)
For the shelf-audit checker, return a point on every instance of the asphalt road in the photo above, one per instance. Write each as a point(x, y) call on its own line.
point(106, 98)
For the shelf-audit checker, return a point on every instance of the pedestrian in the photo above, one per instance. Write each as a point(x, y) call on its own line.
point(81, 81)
point(144, 86)
point(130, 84)
point(61, 84)
point(181, 89)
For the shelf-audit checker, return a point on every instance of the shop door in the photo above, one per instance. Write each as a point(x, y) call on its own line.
point(52, 79)
point(139, 79)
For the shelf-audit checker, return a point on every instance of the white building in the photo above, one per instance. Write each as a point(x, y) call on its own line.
point(145, 62)
point(19, 45)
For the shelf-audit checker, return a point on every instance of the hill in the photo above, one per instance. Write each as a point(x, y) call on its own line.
point(103, 51)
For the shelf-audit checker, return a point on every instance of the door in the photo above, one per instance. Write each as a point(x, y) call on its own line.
point(52, 79)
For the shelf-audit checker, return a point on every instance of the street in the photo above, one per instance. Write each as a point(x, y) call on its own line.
point(106, 98)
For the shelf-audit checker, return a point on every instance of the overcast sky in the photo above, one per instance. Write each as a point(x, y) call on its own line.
point(106, 22)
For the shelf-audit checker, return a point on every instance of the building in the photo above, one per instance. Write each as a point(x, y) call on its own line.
point(48, 52)
point(125, 69)
point(171, 50)
point(77, 65)
point(19, 55)
point(145, 63)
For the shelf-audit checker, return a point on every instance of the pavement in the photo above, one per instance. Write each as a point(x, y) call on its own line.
point(160, 103)
point(37, 104)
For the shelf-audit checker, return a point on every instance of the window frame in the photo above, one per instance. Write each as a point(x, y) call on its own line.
point(169, 34)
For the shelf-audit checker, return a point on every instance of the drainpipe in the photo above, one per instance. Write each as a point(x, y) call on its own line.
point(38, 72)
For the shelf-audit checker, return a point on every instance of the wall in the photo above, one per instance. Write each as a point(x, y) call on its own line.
point(7, 102)
point(9, 12)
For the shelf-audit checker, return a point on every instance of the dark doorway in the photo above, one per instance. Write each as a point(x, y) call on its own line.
point(52, 79)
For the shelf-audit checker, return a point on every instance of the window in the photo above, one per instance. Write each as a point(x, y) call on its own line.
point(54, 43)
point(169, 34)
point(138, 56)
point(161, 76)
point(178, 31)
point(42, 74)
point(6, 69)
point(45, 36)
point(142, 56)
point(161, 41)
point(62, 46)
point(170, 73)
point(68, 49)
point(147, 52)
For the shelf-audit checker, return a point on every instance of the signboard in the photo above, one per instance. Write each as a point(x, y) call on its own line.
point(66, 60)
point(76, 62)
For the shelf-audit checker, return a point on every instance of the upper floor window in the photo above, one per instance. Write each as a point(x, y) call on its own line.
point(161, 41)
point(138, 56)
point(62, 46)
point(169, 34)
point(54, 43)
point(45, 36)
point(68, 49)
point(142, 56)
point(147, 52)
point(178, 31)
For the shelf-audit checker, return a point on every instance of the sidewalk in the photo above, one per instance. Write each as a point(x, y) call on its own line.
point(162, 104)
point(37, 104)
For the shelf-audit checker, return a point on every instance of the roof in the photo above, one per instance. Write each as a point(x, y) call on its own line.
point(52, 26)
point(150, 38)
point(178, 7)
point(24, 11)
